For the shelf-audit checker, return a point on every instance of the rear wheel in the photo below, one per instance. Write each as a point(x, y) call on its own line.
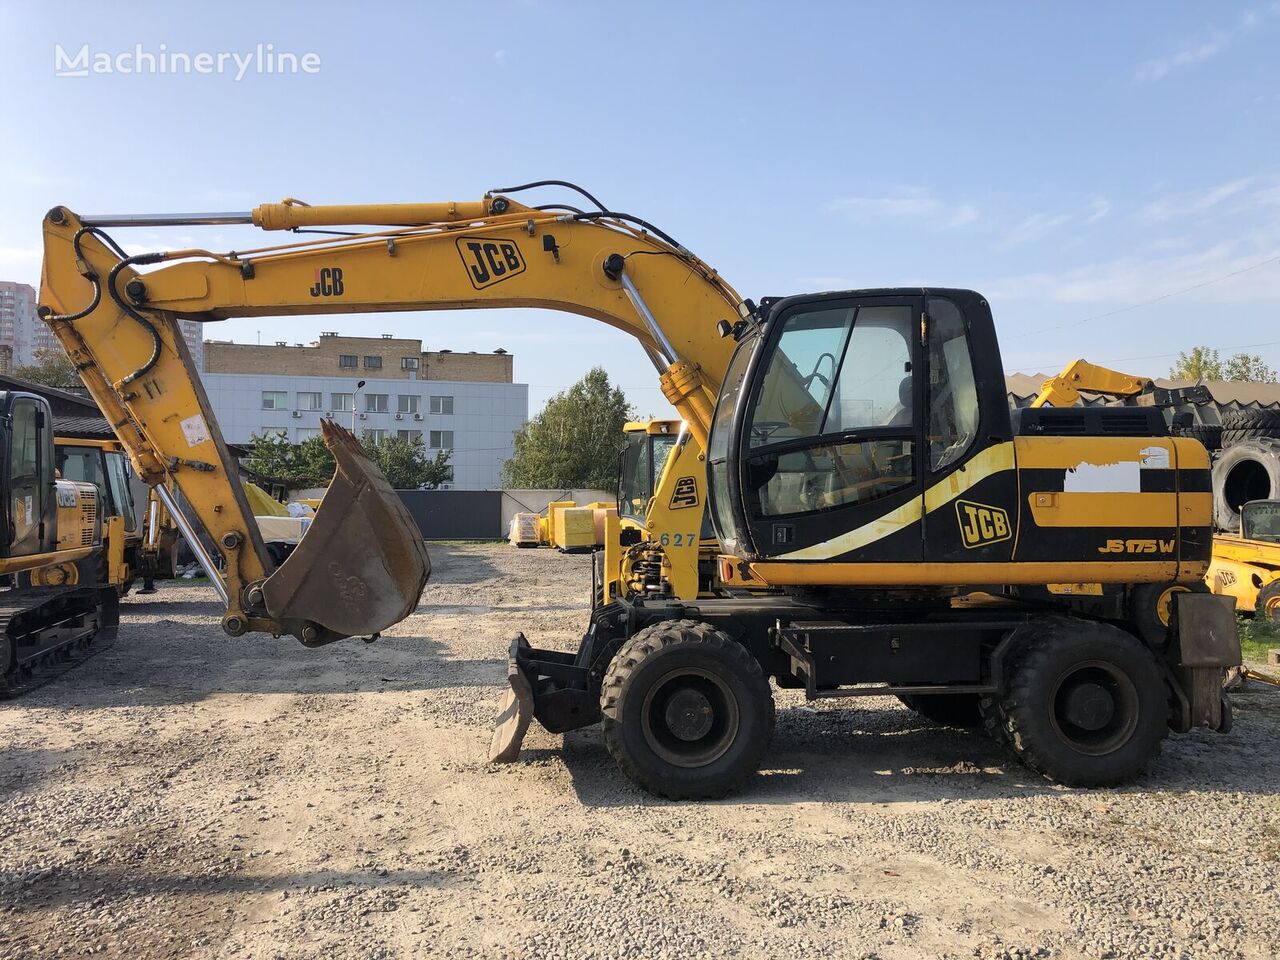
point(1085, 705)
point(688, 713)
point(947, 709)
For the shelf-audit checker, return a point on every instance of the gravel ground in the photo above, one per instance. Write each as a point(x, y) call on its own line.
point(187, 794)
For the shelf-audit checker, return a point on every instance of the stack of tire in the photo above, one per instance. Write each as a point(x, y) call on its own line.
point(1248, 467)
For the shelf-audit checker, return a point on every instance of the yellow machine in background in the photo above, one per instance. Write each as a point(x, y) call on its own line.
point(662, 499)
point(1246, 566)
point(105, 464)
point(56, 610)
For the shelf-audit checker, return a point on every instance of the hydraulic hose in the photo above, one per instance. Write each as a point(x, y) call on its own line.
point(156, 343)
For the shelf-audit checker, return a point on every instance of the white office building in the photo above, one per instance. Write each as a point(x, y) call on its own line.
point(463, 402)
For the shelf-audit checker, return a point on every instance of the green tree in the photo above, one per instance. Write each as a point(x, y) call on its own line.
point(1245, 366)
point(53, 368)
point(1200, 364)
point(275, 458)
point(315, 462)
point(574, 441)
point(407, 465)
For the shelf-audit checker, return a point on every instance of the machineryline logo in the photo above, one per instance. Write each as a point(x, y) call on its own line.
point(264, 59)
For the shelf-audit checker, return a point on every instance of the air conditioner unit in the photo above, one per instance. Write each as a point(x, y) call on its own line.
point(364, 416)
point(417, 416)
point(399, 416)
point(329, 414)
point(297, 414)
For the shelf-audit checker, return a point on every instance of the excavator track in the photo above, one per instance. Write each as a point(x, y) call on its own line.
point(44, 632)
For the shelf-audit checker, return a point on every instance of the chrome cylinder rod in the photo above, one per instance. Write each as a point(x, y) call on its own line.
point(193, 541)
point(165, 219)
point(649, 319)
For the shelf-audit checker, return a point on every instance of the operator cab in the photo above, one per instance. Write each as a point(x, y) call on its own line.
point(841, 412)
point(644, 454)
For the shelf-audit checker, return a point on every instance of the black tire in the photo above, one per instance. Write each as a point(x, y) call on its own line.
point(1151, 606)
point(1244, 472)
point(1085, 705)
point(1268, 607)
point(946, 709)
point(1241, 425)
point(1209, 434)
point(688, 713)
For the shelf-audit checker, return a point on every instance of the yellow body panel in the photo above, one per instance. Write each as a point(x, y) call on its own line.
point(1241, 568)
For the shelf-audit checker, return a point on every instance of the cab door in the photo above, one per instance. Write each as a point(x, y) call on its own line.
point(829, 468)
point(30, 504)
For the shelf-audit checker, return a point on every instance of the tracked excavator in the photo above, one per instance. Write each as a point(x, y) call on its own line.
point(885, 525)
point(54, 609)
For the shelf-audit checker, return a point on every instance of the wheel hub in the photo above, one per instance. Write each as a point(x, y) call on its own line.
point(689, 715)
point(1089, 706)
point(1094, 707)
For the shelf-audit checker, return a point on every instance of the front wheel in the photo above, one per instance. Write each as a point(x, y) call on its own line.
point(1268, 608)
point(688, 713)
point(1086, 703)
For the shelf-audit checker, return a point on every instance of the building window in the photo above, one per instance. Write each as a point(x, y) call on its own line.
point(275, 399)
point(309, 401)
point(305, 433)
point(375, 436)
point(441, 440)
point(442, 405)
point(413, 436)
point(407, 403)
point(408, 363)
point(347, 361)
point(375, 403)
point(342, 402)
point(373, 363)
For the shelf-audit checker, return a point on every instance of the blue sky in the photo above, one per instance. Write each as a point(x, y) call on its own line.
point(1071, 161)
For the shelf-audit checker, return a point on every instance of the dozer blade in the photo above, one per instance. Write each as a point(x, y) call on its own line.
point(362, 564)
point(515, 710)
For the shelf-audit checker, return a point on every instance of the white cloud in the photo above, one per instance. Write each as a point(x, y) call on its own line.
point(1035, 227)
point(1227, 275)
point(1194, 53)
point(1200, 50)
point(1098, 209)
point(1190, 205)
point(908, 203)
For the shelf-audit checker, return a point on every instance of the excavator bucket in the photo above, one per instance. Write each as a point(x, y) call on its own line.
point(362, 564)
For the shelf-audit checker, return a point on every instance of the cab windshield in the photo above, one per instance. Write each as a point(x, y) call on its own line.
point(1261, 521)
point(642, 461)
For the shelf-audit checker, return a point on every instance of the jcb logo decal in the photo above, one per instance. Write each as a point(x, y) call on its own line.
point(685, 495)
point(328, 282)
point(1137, 546)
point(489, 261)
point(981, 525)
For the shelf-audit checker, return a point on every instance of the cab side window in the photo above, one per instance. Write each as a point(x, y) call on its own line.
point(952, 394)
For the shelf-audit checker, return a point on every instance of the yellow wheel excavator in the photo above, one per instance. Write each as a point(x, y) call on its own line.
point(886, 526)
point(54, 611)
